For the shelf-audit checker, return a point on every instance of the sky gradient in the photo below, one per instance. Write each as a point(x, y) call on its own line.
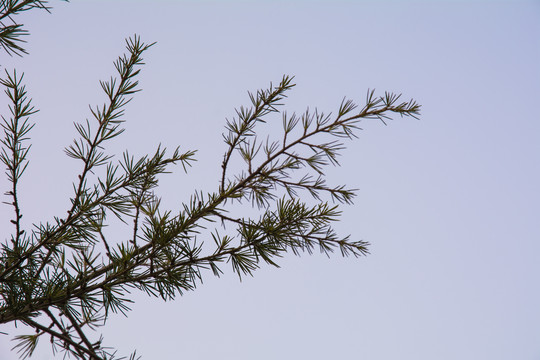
point(450, 202)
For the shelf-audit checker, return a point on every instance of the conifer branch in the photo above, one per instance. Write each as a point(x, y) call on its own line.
point(74, 275)
point(14, 152)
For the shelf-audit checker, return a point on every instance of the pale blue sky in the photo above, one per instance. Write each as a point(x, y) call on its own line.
point(450, 203)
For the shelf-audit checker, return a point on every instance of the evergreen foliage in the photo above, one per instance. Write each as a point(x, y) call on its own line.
point(64, 278)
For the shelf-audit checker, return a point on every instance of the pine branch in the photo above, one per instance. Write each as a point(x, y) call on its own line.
point(264, 102)
point(14, 153)
point(61, 266)
point(88, 149)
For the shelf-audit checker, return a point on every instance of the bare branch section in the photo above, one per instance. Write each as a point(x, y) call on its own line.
point(66, 277)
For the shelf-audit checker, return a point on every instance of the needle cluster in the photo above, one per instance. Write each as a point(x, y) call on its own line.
point(12, 32)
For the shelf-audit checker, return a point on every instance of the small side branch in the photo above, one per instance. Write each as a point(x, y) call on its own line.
point(14, 152)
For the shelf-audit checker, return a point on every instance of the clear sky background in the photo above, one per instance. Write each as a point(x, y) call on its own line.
point(450, 203)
